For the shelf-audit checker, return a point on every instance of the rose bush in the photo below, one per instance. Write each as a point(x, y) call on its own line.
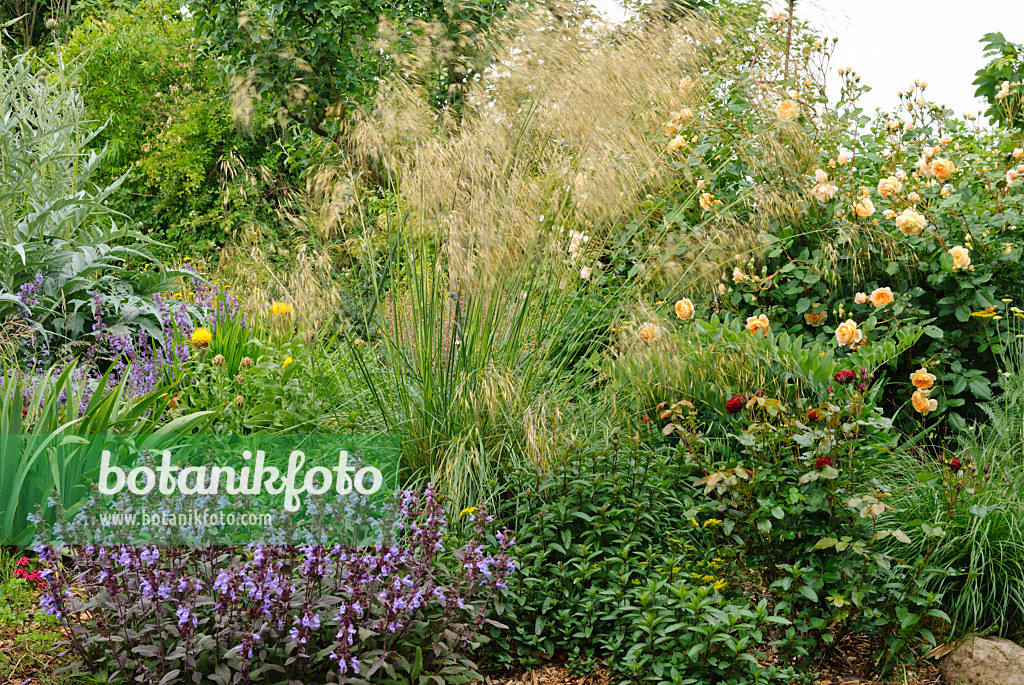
point(918, 207)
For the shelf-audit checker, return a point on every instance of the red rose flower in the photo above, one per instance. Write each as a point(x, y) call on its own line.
point(845, 376)
point(813, 414)
point(823, 462)
point(955, 464)
point(735, 404)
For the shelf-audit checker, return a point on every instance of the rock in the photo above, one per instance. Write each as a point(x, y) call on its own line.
point(984, 661)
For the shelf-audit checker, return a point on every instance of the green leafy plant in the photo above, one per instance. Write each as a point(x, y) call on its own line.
point(999, 81)
point(43, 421)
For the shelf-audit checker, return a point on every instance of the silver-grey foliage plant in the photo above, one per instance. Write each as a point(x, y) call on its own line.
point(63, 251)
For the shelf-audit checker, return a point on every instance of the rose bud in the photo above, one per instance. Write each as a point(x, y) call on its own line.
point(813, 415)
point(734, 404)
point(861, 387)
point(955, 464)
point(845, 376)
point(822, 462)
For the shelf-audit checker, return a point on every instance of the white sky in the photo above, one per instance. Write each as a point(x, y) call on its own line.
point(890, 43)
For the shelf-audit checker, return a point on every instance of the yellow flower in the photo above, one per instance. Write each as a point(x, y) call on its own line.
point(881, 297)
point(922, 404)
point(860, 298)
point(848, 334)
point(864, 207)
point(287, 361)
point(911, 222)
point(815, 318)
point(737, 275)
point(922, 380)
point(649, 333)
point(888, 186)
point(942, 168)
point(683, 114)
point(201, 337)
point(758, 323)
point(467, 510)
point(823, 192)
point(677, 143)
point(719, 585)
point(707, 201)
point(280, 308)
point(788, 110)
point(684, 309)
point(961, 257)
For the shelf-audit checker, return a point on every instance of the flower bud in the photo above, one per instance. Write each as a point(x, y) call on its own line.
point(218, 360)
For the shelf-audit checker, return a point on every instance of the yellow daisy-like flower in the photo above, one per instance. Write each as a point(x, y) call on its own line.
point(201, 337)
point(280, 308)
point(287, 361)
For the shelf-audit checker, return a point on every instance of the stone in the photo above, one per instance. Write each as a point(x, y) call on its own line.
point(984, 661)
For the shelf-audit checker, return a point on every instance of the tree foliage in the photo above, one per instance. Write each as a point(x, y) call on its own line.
point(316, 60)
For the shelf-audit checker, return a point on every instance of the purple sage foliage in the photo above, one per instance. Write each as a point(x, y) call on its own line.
point(413, 603)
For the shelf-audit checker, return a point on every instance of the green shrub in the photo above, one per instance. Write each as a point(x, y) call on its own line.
point(618, 559)
point(193, 179)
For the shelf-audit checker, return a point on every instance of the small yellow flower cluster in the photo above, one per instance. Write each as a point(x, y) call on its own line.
point(878, 297)
point(823, 191)
point(923, 382)
point(280, 308)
